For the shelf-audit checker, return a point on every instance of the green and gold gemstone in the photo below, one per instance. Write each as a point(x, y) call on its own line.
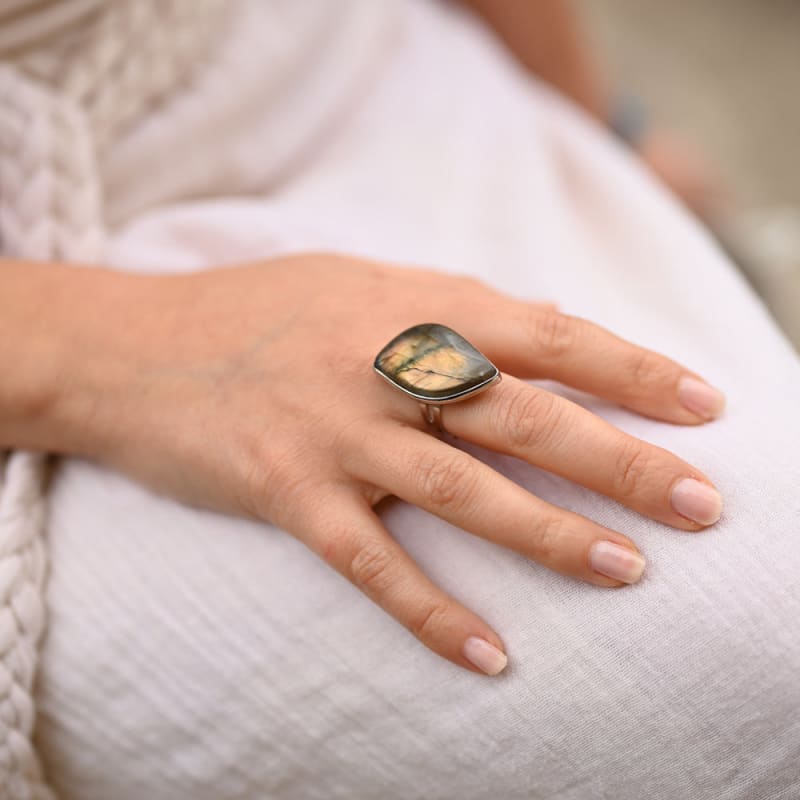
point(434, 364)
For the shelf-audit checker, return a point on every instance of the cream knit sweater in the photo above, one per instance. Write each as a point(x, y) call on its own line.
point(76, 76)
point(70, 82)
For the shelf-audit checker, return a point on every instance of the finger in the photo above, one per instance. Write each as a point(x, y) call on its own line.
point(541, 343)
point(347, 533)
point(464, 491)
point(562, 437)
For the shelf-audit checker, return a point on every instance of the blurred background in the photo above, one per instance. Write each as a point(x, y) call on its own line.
point(726, 75)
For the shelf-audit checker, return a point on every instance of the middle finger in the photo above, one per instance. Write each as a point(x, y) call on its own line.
point(562, 437)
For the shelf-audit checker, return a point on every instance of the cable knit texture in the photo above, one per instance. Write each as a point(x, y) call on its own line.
point(69, 85)
point(76, 76)
point(49, 208)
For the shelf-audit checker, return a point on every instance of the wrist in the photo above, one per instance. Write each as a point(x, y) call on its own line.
point(60, 328)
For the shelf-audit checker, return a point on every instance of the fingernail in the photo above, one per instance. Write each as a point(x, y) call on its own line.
point(700, 398)
point(485, 656)
point(616, 562)
point(697, 501)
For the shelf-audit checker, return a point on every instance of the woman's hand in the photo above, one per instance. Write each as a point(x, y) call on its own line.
point(251, 390)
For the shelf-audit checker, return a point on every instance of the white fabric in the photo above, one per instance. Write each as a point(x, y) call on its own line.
point(192, 655)
point(75, 77)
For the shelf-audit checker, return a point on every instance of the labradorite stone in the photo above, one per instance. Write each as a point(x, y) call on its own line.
point(432, 362)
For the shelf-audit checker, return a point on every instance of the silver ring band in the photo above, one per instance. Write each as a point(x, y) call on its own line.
point(432, 415)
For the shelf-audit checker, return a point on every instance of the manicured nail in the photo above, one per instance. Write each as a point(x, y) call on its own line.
point(700, 398)
point(697, 501)
point(616, 562)
point(485, 656)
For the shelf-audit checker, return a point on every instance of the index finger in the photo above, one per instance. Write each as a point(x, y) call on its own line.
point(532, 342)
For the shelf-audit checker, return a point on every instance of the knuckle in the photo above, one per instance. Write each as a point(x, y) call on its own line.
point(632, 466)
point(334, 544)
point(428, 623)
point(554, 333)
point(447, 481)
point(529, 418)
point(269, 481)
point(648, 370)
point(370, 568)
point(548, 540)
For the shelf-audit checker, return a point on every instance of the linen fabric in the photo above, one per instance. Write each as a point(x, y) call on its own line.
point(193, 655)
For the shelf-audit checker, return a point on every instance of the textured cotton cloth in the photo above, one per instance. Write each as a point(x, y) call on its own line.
point(192, 655)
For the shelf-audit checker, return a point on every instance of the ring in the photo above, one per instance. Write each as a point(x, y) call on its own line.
point(435, 365)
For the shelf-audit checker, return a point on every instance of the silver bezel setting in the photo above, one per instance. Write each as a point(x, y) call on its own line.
point(441, 401)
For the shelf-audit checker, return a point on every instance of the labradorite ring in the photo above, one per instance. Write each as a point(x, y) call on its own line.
point(435, 365)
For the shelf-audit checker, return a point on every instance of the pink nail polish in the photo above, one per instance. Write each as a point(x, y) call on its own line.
point(700, 398)
point(697, 501)
point(615, 561)
point(485, 656)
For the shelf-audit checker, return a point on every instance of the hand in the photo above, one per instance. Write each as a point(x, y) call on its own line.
point(251, 390)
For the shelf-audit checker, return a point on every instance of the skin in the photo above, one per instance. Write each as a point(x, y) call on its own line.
point(247, 390)
point(547, 38)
